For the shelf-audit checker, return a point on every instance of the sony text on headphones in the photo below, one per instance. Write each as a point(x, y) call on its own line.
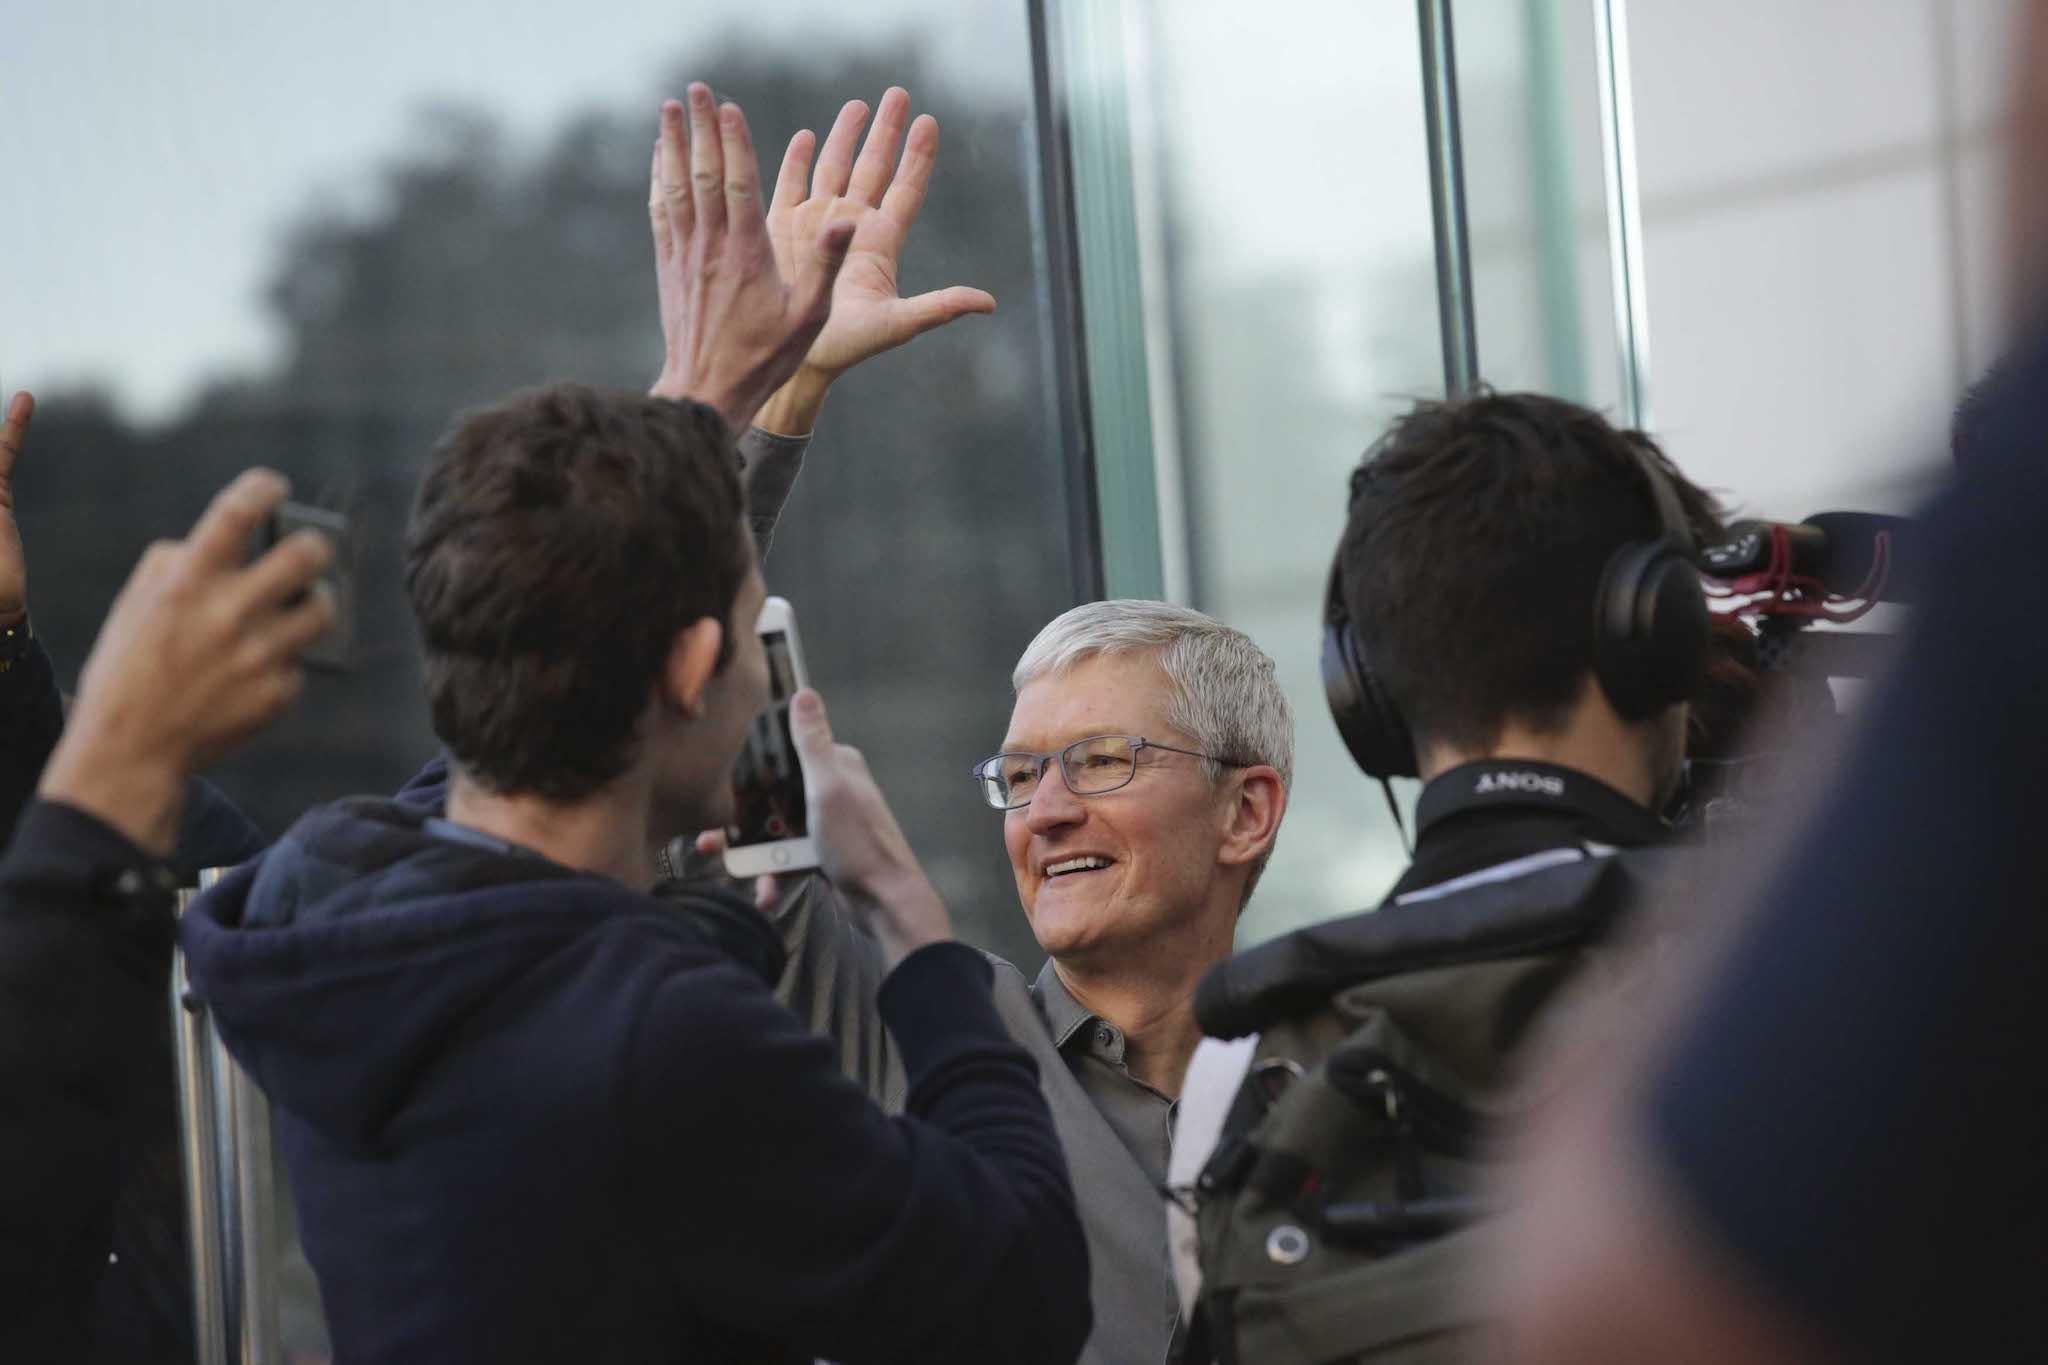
point(1649, 639)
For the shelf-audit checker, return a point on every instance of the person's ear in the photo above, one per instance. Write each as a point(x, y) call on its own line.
point(692, 663)
point(1254, 816)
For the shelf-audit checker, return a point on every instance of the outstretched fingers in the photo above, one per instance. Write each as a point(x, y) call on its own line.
point(835, 161)
point(672, 182)
point(742, 174)
point(870, 176)
point(905, 198)
point(792, 183)
point(707, 161)
point(941, 306)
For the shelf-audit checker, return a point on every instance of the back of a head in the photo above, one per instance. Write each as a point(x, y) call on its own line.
point(558, 544)
point(1472, 560)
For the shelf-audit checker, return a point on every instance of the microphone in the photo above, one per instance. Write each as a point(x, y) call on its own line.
point(1838, 550)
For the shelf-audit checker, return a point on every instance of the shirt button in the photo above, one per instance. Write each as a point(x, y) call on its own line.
point(1103, 1035)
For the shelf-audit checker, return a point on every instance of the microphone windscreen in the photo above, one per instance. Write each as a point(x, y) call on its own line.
point(1852, 549)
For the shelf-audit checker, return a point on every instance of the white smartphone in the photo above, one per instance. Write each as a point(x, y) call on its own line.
point(770, 830)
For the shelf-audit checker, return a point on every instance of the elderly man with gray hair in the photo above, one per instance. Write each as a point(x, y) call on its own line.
point(1141, 783)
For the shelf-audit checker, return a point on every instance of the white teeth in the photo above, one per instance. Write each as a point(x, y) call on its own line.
point(1086, 863)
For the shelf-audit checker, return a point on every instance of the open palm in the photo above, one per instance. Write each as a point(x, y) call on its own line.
point(881, 198)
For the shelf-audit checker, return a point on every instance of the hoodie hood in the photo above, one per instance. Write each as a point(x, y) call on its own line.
point(345, 961)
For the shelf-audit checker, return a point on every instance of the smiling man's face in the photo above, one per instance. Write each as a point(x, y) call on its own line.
point(1148, 850)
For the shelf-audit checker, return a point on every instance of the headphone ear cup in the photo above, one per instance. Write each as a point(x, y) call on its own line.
point(1371, 726)
point(1651, 628)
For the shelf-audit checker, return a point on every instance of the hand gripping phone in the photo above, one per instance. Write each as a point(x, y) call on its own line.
point(770, 832)
point(336, 649)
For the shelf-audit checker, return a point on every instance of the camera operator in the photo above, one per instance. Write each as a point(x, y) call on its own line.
point(87, 896)
point(1514, 616)
point(532, 1112)
point(1829, 1146)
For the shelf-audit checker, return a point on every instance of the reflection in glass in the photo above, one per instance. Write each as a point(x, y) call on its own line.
point(1302, 289)
point(400, 229)
point(311, 235)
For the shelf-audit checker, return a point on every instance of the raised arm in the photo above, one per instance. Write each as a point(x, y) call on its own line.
point(877, 196)
point(734, 324)
point(880, 196)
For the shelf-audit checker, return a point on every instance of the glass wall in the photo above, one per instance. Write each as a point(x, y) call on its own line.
point(1300, 314)
point(308, 235)
point(1818, 200)
point(1789, 280)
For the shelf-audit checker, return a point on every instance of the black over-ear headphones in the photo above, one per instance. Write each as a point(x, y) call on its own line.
point(1649, 638)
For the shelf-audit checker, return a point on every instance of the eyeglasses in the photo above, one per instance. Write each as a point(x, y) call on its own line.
point(1091, 767)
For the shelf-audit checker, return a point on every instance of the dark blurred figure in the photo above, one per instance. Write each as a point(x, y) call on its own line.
point(1834, 1143)
point(145, 1301)
point(87, 899)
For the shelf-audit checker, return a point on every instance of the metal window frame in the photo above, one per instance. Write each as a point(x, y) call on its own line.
point(1103, 290)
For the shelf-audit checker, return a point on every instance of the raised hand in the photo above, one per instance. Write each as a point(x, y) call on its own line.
point(198, 652)
point(734, 324)
point(881, 198)
point(13, 562)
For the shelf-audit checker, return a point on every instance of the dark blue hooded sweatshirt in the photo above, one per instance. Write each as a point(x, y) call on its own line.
point(529, 1114)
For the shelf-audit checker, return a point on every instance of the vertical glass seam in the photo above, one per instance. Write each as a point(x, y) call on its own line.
point(1624, 209)
point(1447, 197)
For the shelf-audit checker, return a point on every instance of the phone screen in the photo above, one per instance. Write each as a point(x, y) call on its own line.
point(768, 782)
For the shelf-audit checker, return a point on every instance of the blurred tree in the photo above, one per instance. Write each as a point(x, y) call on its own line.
point(924, 546)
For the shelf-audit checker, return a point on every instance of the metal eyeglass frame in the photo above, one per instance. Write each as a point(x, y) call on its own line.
point(982, 777)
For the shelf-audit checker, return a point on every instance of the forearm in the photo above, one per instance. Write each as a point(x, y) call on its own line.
point(769, 465)
point(834, 973)
point(792, 410)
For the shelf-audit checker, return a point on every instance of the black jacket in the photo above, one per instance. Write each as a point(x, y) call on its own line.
point(86, 925)
point(528, 1115)
point(138, 1285)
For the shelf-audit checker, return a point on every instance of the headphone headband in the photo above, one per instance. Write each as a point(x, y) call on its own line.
point(1650, 629)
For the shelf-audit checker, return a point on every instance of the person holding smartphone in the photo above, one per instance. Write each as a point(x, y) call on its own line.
point(532, 1112)
point(86, 904)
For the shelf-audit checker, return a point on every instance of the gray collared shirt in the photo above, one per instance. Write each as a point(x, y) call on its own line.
point(1093, 1049)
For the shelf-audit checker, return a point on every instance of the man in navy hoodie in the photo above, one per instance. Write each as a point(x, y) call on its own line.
point(532, 1112)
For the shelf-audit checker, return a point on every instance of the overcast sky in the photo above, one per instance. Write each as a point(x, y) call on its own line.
point(155, 151)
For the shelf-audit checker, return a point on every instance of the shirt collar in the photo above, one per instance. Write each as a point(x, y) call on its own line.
point(1064, 1015)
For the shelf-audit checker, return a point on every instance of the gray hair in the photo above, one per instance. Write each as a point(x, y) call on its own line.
point(1221, 688)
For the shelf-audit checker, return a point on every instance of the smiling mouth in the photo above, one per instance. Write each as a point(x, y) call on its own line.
point(1068, 867)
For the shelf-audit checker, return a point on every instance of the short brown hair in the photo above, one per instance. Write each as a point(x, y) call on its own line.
point(558, 544)
point(1479, 530)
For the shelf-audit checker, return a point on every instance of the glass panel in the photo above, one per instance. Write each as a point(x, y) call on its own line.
point(1529, 99)
point(1301, 284)
point(1817, 216)
point(308, 236)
